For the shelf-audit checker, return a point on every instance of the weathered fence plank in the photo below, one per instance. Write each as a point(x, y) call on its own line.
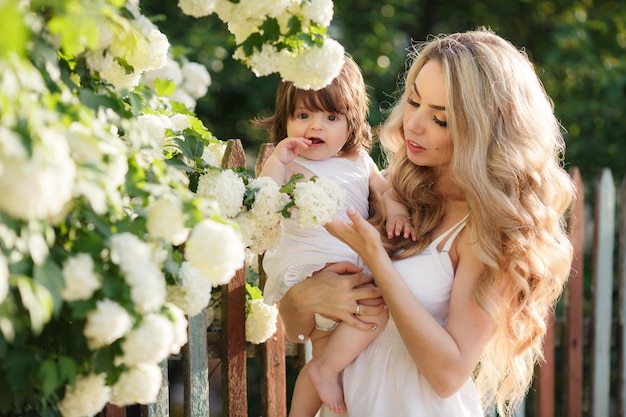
point(234, 395)
point(545, 377)
point(195, 368)
point(622, 303)
point(602, 291)
point(272, 352)
point(573, 302)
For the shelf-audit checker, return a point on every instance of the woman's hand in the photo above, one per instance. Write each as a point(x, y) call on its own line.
point(358, 233)
point(333, 292)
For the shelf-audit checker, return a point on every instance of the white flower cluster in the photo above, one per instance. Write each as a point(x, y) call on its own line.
point(317, 201)
point(308, 67)
point(144, 276)
point(224, 186)
point(213, 253)
point(81, 281)
point(191, 78)
point(260, 321)
point(141, 46)
point(88, 396)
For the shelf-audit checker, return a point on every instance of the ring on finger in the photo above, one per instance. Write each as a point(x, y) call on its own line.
point(357, 311)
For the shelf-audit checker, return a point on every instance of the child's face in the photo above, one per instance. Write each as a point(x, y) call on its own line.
point(327, 131)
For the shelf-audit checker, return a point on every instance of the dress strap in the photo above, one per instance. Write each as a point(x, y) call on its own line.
point(451, 234)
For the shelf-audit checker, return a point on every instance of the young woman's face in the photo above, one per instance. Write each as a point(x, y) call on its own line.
point(428, 140)
point(327, 131)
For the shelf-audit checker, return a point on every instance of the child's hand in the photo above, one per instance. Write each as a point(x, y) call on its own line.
point(287, 149)
point(399, 225)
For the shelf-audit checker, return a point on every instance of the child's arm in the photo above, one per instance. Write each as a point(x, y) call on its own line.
point(285, 152)
point(398, 220)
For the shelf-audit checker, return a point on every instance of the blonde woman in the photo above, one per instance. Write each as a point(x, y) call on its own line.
point(475, 153)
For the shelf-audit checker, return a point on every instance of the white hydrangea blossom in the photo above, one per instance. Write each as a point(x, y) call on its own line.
point(136, 261)
point(81, 281)
point(166, 220)
point(214, 153)
point(179, 328)
point(194, 291)
point(150, 342)
point(260, 321)
point(196, 79)
point(170, 71)
point(100, 154)
point(154, 127)
point(180, 122)
point(139, 385)
point(315, 67)
point(258, 237)
point(216, 250)
point(107, 323)
point(148, 53)
point(319, 11)
point(4, 278)
point(264, 62)
point(197, 8)
point(40, 185)
point(268, 200)
point(317, 201)
point(225, 187)
point(88, 396)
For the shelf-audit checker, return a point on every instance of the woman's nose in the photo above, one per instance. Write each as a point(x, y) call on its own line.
point(414, 121)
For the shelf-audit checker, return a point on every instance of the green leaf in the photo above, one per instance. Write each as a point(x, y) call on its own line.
point(49, 376)
point(164, 87)
point(253, 292)
point(13, 32)
point(37, 300)
point(192, 146)
point(50, 276)
point(75, 31)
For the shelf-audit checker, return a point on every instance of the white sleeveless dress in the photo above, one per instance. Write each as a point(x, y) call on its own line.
point(301, 251)
point(384, 381)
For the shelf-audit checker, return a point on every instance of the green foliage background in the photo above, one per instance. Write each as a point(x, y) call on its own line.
point(578, 47)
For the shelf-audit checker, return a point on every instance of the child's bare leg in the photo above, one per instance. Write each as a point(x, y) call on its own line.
point(305, 402)
point(343, 346)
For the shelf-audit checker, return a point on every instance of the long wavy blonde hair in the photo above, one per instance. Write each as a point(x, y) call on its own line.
point(507, 160)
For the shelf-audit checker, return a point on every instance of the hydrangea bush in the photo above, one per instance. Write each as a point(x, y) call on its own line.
point(116, 220)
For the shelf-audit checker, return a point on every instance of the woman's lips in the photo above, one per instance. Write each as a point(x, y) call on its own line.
point(413, 147)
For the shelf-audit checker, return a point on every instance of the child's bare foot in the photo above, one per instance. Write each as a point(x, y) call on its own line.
point(328, 386)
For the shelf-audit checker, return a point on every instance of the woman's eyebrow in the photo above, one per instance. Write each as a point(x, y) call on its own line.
point(433, 106)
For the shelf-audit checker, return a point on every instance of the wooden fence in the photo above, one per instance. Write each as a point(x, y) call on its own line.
point(585, 348)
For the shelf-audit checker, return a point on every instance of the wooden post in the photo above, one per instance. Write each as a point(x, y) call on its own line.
point(234, 394)
point(545, 394)
point(196, 368)
point(272, 352)
point(602, 289)
point(573, 349)
point(111, 410)
point(622, 304)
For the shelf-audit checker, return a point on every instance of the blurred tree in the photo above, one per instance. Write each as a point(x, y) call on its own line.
point(578, 47)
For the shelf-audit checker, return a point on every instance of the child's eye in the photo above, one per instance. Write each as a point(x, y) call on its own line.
point(302, 116)
point(412, 102)
point(440, 122)
point(333, 117)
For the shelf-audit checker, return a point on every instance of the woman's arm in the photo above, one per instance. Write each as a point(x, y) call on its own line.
point(331, 292)
point(445, 355)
